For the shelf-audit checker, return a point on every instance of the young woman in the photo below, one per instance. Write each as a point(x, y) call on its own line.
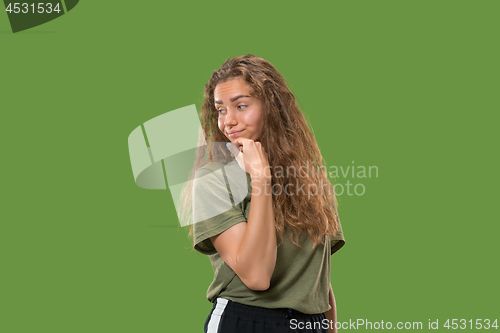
point(270, 249)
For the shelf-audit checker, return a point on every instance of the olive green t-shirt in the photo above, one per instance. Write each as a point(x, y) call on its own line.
point(301, 278)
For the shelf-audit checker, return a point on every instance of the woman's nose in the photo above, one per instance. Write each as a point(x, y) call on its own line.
point(230, 118)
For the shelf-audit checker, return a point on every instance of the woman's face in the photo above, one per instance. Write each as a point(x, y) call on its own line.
point(240, 115)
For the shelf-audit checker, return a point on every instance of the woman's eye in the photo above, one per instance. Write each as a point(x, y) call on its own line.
point(220, 111)
point(243, 106)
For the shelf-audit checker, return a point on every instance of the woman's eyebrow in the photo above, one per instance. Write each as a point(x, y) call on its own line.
point(232, 99)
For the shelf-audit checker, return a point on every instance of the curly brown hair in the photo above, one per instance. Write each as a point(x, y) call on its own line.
point(289, 142)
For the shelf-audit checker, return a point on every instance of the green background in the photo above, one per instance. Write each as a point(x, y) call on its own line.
point(408, 86)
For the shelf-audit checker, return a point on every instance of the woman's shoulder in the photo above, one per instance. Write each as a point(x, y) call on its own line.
point(208, 168)
point(230, 168)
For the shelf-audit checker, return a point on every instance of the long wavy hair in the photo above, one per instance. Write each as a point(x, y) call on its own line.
point(290, 144)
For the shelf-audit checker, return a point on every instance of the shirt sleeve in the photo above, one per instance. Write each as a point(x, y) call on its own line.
point(214, 210)
point(337, 241)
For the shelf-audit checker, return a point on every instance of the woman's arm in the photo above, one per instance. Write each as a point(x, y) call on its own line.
point(250, 249)
point(331, 314)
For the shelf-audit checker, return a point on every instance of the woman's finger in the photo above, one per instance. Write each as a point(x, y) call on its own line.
point(233, 149)
point(242, 142)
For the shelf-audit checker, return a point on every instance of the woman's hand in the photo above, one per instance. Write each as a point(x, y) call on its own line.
point(250, 249)
point(251, 157)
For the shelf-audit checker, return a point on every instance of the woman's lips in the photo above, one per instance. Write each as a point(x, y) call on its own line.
point(233, 134)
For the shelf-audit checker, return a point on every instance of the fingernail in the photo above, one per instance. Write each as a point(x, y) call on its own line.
point(228, 144)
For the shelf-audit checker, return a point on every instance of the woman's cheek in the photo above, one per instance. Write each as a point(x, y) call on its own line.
point(250, 119)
